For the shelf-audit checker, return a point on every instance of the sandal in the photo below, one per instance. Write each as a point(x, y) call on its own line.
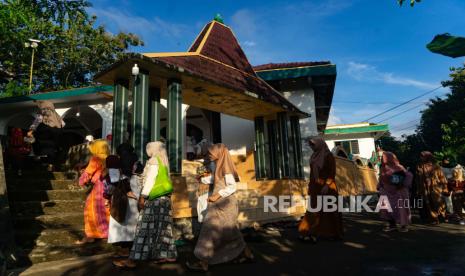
point(308, 239)
point(124, 264)
point(244, 259)
point(84, 241)
point(196, 267)
point(164, 261)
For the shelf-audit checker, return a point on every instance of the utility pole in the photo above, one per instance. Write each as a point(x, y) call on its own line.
point(33, 44)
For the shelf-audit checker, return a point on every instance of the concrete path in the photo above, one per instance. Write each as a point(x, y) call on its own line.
point(425, 250)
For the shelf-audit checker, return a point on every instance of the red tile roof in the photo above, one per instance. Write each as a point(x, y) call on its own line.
point(273, 66)
point(220, 59)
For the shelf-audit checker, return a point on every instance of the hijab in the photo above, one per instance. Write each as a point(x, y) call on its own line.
point(224, 164)
point(157, 149)
point(426, 164)
point(127, 158)
point(99, 148)
point(319, 155)
point(49, 116)
point(390, 165)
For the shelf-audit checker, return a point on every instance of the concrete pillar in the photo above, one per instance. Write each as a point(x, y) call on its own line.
point(283, 143)
point(140, 117)
point(273, 150)
point(120, 112)
point(155, 107)
point(175, 127)
point(259, 154)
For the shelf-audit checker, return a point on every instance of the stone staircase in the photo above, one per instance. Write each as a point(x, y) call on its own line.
point(47, 211)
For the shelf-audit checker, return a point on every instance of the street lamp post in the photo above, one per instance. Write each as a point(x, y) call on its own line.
point(33, 43)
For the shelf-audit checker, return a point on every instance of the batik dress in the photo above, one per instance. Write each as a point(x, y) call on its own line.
point(154, 233)
point(96, 214)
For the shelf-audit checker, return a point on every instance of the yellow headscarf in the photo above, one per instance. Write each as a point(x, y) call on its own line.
point(99, 148)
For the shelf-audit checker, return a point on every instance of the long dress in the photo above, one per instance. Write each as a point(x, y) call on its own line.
point(124, 232)
point(322, 224)
point(96, 214)
point(220, 239)
point(431, 183)
point(154, 232)
point(398, 200)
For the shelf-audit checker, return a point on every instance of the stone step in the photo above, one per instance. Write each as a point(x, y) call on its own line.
point(42, 174)
point(61, 221)
point(53, 207)
point(53, 253)
point(48, 237)
point(41, 184)
point(46, 195)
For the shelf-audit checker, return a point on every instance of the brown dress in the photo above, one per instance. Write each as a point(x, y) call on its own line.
point(323, 172)
point(431, 182)
point(220, 239)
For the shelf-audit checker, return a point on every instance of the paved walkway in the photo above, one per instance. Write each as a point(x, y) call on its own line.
point(425, 250)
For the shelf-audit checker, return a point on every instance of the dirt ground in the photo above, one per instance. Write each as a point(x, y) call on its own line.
point(365, 250)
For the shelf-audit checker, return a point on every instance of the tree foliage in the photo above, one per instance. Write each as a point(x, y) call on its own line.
point(72, 47)
point(441, 129)
point(412, 2)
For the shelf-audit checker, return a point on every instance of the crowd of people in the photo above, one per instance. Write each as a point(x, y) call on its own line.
point(129, 204)
point(436, 190)
point(126, 205)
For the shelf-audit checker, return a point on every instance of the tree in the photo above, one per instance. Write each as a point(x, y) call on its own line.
point(71, 51)
point(412, 2)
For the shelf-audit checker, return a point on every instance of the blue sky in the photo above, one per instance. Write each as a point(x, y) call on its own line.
point(378, 47)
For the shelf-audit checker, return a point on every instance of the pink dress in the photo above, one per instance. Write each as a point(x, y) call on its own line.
point(96, 214)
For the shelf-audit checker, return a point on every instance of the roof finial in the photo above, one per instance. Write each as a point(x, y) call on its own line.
point(218, 18)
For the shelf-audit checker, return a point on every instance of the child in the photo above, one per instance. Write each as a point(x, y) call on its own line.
point(456, 186)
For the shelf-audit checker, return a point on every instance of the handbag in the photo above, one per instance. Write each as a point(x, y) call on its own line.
point(163, 185)
point(119, 202)
point(397, 179)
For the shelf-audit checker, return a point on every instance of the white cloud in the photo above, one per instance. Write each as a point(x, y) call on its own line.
point(368, 73)
point(249, 43)
point(312, 9)
point(124, 21)
point(333, 119)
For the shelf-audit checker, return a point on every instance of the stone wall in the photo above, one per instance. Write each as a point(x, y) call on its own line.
point(6, 236)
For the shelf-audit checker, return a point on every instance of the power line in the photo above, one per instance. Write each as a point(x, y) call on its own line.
point(402, 104)
point(403, 126)
point(400, 113)
point(365, 102)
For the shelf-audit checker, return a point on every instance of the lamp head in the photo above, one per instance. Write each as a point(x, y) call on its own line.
point(135, 70)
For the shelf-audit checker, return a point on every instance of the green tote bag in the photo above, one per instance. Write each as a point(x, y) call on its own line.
point(163, 185)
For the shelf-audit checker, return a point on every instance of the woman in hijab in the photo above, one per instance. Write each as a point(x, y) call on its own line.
point(394, 183)
point(322, 182)
point(220, 239)
point(122, 232)
point(46, 130)
point(96, 214)
point(154, 232)
point(431, 183)
point(17, 150)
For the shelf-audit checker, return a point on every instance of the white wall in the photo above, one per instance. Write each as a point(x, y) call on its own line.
point(305, 100)
point(366, 145)
point(237, 134)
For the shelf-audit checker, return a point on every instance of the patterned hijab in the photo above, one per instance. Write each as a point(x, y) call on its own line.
point(320, 153)
point(390, 165)
point(224, 164)
point(49, 116)
point(426, 162)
